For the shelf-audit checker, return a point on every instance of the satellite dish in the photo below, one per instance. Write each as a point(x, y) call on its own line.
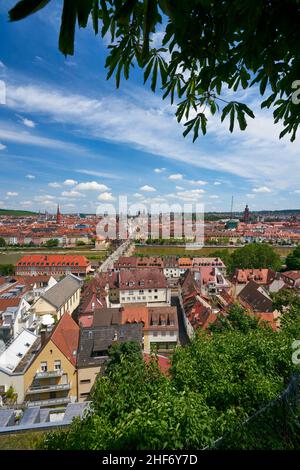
point(47, 320)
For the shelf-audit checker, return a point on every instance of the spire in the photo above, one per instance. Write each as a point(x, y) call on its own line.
point(58, 215)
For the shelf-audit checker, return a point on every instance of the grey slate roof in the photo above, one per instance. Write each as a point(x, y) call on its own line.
point(107, 317)
point(62, 291)
point(254, 295)
point(100, 338)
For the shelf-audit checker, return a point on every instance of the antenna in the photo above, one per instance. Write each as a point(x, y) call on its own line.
point(231, 207)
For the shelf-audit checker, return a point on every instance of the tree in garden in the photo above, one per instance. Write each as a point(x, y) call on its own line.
point(2, 242)
point(293, 259)
point(215, 384)
point(53, 242)
point(7, 269)
point(204, 48)
point(287, 302)
point(237, 318)
point(256, 256)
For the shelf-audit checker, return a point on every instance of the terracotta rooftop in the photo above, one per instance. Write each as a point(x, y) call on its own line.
point(142, 279)
point(53, 260)
point(66, 337)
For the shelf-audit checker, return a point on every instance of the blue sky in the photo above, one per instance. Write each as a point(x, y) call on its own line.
point(68, 136)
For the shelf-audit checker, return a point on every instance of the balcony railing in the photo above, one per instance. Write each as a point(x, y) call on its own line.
point(49, 374)
point(50, 402)
point(48, 388)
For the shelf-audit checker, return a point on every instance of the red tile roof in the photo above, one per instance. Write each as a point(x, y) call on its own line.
point(142, 279)
point(53, 260)
point(294, 275)
point(66, 337)
point(260, 276)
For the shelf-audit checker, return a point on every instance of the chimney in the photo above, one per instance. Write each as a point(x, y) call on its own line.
point(43, 337)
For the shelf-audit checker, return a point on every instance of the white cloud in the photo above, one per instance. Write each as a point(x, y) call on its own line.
point(28, 123)
point(72, 194)
point(91, 186)
point(176, 177)
point(26, 203)
point(100, 174)
point(145, 123)
point(217, 183)
point(54, 185)
point(2, 147)
point(12, 194)
point(147, 189)
point(179, 188)
point(190, 195)
point(297, 191)
point(106, 197)
point(23, 137)
point(44, 197)
point(30, 177)
point(138, 195)
point(159, 170)
point(197, 182)
point(69, 182)
point(213, 196)
point(250, 196)
point(261, 189)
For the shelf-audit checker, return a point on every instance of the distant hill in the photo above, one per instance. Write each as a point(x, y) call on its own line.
point(16, 213)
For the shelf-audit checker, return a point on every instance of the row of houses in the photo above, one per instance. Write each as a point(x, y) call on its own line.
point(172, 266)
point(59, 366)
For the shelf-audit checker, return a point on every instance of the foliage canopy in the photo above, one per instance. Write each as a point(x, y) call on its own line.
point(201, 49)
point(213, 386)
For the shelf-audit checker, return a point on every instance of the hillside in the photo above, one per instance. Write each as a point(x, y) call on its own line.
point(17, 213)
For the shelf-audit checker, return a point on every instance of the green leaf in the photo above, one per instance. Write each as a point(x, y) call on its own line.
point(123, 13)
point(225, 111)
point(148, 69)
point(232, 114)
point(247, 110)
point(241, 120)
point(105, 17)
point(67, 29)
point(95, 15)
point(154, 76)
point(196, 129)
point(263, 85)
point(150, 17)
point(84, 8)
point(203, 123)
point(284, 132)
point(25, 8)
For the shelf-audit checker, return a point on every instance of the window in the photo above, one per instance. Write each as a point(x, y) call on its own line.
point(141, 291)
point(57, 365)
point(85, 381)
point(155, 296)
point(44, 366)
point(84, 395)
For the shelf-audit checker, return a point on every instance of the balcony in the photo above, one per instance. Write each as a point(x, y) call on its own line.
point(50, 402)
point(48, 388)
point(49, 374)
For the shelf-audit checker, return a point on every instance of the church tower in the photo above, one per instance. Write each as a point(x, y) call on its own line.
point(58, 216)
point(246, 215)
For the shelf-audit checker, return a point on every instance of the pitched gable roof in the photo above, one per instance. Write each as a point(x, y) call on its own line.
point(256, 297)
point(66, 337)
point(62, 291)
